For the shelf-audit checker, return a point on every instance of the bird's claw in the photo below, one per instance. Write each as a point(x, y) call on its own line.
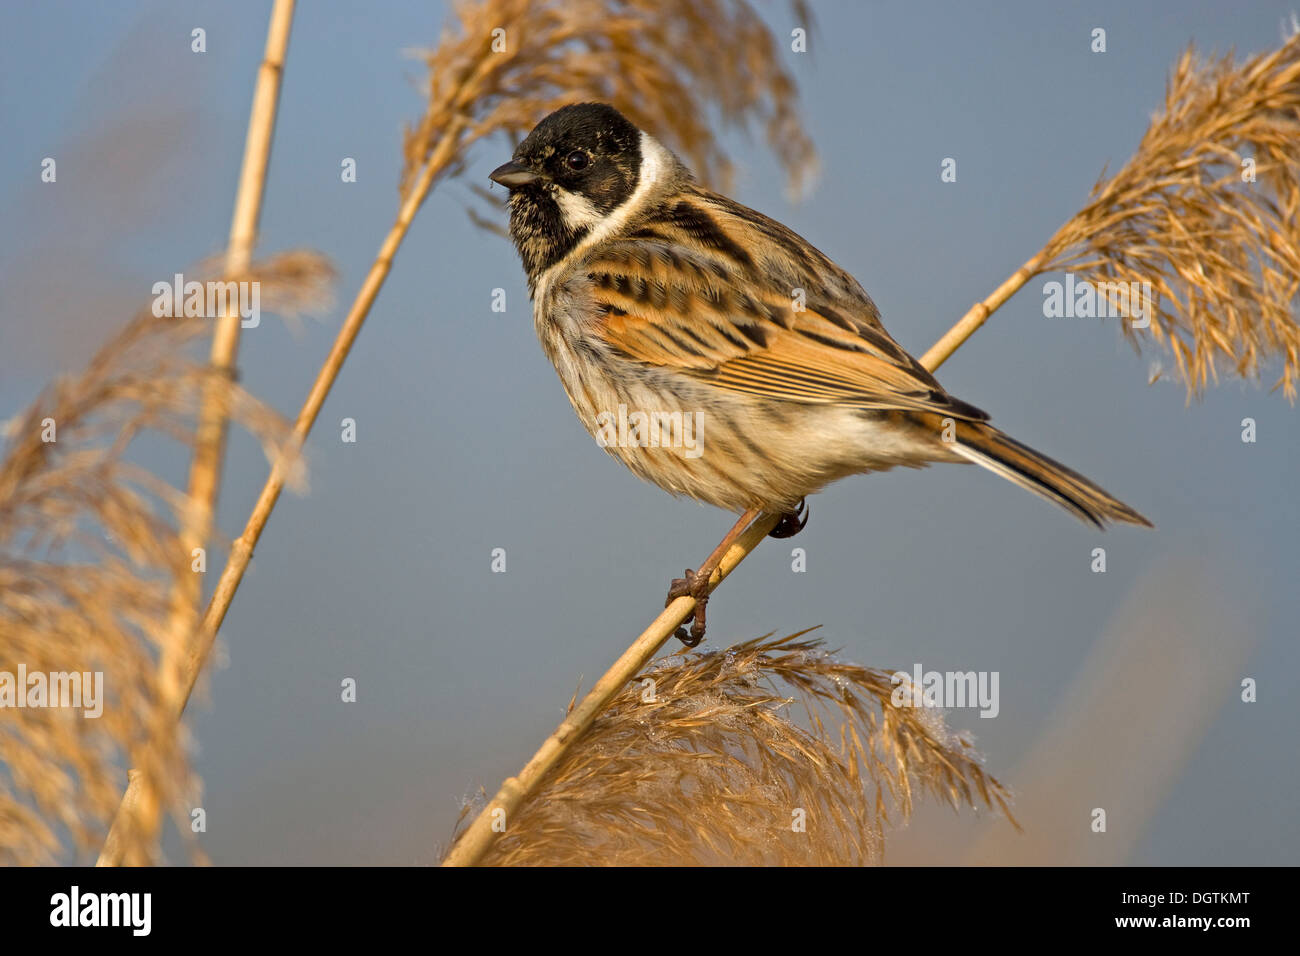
point(791, 524)
point(695, 586)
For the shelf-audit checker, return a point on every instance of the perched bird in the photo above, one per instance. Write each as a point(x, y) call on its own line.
point(759, 368)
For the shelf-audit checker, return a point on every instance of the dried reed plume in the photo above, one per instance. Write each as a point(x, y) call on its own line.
point(700, 762)
point(89, 554)
point(1221, 254)
point(662, 62)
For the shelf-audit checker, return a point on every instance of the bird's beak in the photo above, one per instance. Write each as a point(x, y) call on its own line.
point(512, 175)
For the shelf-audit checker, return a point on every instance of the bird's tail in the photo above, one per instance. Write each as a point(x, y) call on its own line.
point(999, 453)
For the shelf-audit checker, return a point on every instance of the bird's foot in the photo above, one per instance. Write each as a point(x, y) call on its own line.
point(791, 524)
point(696, 586)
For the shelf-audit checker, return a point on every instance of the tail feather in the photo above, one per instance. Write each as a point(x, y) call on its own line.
point(985, 445)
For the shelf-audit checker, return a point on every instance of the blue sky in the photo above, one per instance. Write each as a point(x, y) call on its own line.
point(466, 442)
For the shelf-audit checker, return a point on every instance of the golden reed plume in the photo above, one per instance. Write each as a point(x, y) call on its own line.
point(89, 554)
point(1207, 214)
point(666, 64)
point(771, 752)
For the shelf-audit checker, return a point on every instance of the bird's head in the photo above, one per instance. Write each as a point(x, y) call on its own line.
point(574, 174)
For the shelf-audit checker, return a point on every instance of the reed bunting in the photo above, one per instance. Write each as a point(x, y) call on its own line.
point(759, 368)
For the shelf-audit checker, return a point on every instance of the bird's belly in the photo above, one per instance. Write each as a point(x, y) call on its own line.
point(723, 447)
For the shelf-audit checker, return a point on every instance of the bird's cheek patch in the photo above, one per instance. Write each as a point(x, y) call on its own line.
point(577, 212)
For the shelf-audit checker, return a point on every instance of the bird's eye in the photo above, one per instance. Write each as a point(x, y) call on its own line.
point(577, 161)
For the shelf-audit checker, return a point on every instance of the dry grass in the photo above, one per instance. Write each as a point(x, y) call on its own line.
point(89, 551)
point(712, 769)
point(1222, 255)
point(664, 63)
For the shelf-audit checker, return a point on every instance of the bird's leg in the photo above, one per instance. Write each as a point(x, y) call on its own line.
point(792, 523)
point(696, 583)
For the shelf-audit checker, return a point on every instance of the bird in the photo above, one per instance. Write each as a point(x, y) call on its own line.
point(720, 355)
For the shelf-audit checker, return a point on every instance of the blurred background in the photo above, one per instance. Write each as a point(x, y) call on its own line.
point(1119, 690)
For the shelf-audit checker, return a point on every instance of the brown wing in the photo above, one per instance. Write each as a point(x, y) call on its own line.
point(730, 297)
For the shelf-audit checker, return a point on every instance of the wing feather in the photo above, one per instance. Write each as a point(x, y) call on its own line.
point(726, 311)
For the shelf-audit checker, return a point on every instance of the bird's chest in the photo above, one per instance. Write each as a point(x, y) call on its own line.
point(567, 331)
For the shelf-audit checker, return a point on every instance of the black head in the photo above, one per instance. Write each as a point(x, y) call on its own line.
point(575, 168)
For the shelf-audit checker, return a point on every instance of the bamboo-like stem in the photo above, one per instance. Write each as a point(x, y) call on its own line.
point(474, 842)
point(140, 808)
point(241, 551)
point(978, 314)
